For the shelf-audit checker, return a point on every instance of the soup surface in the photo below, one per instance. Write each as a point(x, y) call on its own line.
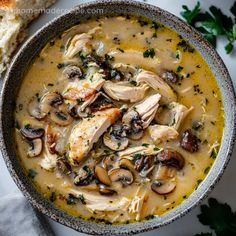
point(118, 119)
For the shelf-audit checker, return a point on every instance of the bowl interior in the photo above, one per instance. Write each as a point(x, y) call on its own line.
point(33, 46)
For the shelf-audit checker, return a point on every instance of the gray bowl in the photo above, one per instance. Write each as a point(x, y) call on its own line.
point(30, 49)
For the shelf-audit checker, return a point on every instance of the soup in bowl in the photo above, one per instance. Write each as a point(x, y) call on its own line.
point(120, 119)
point(121, 123)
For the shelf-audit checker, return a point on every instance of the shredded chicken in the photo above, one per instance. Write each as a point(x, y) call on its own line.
point(162, 133)
point(179, 112)
point(80, 43)
point(88, 131)
point(157, 83)
point(122, 91)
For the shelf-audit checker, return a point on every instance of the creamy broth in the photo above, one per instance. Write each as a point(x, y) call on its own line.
point(153, 112)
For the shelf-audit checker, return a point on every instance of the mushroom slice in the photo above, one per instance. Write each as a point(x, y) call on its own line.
point(189, 141)
point(50, 100)
point(116, 139)
point(103, 190)
point(31, 133)
point(170, 157)
point(163, 187)
point(36, 147)
point(121, 175)
point(127, 71)
point(122, 91)
point(80, 43)
point(61, 117)
point(72, 72)
point(179, 112)
point(147, 109)
point(88, 131)
point(34, 110)
point(102, 175)
point(64, 166)
point(162, 133)
point(126, 164)
point(158, 84)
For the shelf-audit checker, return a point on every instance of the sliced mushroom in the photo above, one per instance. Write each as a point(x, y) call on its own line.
point(31, 133)
point(49, 100)
point(121, 175)
point(133, 125)
point(36, 147)
point(116, 139)
point(108, 162)
point(64, 166)
point(101, 102)
point(189, 141)
point(126, 164)
point(170, 76)
point(163, 187)
point(144, 165)
point(72, 72)
point(103, 190)
point(102, 175)
point(170, 157)
point(34, 110)
point(60, 117)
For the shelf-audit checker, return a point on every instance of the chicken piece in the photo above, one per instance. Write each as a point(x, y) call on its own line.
point(147, 109)
point(162, 133)
point(136, 59)
point(96, 203)
point(88, 131)
point(49, 162)
point(83, 89)
point(143, 150)
point(179, 112)
point(158, 84)
point(80, 43)
point(124, 92)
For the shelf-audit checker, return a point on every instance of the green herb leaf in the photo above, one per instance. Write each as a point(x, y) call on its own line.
point(219, 217)
point(212, 23)
point(149, 53)
point(190, 15)
point(233, 9)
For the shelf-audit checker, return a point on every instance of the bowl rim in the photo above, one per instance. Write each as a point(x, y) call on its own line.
point(133, 228)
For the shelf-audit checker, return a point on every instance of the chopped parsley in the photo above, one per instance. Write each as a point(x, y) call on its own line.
point(149, 53)
point(179, 69)
point(185, 46)
point(145, 144)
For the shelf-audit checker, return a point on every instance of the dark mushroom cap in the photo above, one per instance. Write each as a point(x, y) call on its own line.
point(189, 141)
point(104, 190)
point(170, 76)
point(31, 133)
point(36, 147)
point(163, 187)
point(64, 166)
point(171, 158)
point(72, 72)
point(121, 175)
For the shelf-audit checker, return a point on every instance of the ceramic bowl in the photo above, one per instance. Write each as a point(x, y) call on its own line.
point(33, 46)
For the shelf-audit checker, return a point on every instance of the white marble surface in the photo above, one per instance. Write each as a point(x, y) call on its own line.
point(224, 191)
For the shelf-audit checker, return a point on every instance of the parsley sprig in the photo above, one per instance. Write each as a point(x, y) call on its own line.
point(219, 217)
point(213, 23)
